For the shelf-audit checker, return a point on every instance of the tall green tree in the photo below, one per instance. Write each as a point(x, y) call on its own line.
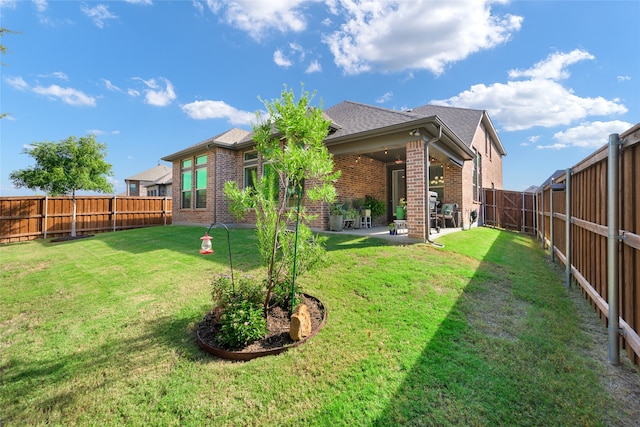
point(290, 141)
point(65, 167)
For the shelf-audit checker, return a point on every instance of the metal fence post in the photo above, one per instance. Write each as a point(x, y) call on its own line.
point(551, 228)
point(568, 245)
point(542, 216)
point(612, 249)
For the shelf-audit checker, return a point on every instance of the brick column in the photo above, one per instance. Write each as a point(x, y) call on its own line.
point(415, 189)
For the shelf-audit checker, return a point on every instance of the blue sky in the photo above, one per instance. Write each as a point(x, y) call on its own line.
point(151, 77)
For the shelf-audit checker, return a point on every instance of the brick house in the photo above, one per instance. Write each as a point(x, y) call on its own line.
point(152, 182)
point(381, 152)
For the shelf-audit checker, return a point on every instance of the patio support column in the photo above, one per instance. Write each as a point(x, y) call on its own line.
point(415, 196)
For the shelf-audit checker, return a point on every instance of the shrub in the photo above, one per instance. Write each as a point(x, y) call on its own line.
point(242, 323)
point(247, 288)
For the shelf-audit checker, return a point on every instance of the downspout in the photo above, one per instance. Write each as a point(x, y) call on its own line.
point(427, 208)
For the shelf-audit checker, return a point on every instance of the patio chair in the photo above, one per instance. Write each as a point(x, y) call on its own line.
point(449, 212)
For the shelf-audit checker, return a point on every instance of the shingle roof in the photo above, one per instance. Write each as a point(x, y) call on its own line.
point(462, 121)
point(229, 137)
point(157, 174)
point(353, 117)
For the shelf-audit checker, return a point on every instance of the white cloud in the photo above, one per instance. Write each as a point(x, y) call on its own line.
point(8, 4)
point(142, 2)
point(587, 134)
point(280, 59)
point(258, 17)
point(539, 101)
point(530, 141)
point(314, 67)
point(201, 110)
point(133, 92)
point(67, 95)
point(41, 5)
point(623, 78)
point(385, 97)
point(17, 83)
point(387, 35)
point(99, 14)
point(554, 67)
point(155, 94)
point(110, 86)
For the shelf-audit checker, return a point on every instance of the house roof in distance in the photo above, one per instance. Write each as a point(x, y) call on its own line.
point(161, 174)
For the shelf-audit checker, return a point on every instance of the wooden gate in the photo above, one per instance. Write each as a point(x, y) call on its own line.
point(512, 210)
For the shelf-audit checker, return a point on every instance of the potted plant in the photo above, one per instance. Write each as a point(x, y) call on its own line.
point(401, 209)
point(392, 228)
point(351, 217)
point(336, 217)
point(377, 207)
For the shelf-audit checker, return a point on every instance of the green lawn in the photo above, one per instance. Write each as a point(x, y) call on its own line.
point(100, 331)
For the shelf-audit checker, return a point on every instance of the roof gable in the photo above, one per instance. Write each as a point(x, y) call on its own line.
point(156, 173)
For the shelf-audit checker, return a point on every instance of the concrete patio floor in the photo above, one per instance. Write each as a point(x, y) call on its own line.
point(383, 233)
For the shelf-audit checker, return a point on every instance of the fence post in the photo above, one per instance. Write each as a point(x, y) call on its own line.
point(612, 249)
point(46, 215)
point(552, 242)
point(542, 216)
point(115, 201)
point(568, 245)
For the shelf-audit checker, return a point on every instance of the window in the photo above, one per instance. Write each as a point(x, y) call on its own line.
point(250, 165)
point(488, 142)
point(476, 175)
point(201, 182)
point(186, 184)
point(271, 182)
point(133, 189)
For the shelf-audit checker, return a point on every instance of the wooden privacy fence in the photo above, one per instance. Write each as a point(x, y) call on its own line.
point(512, 210)
point(28, 218)
point(600, 253)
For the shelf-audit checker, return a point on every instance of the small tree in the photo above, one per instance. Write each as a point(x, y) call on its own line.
point(65, 167)
point(298, 167)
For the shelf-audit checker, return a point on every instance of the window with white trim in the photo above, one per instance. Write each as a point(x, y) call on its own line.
point(250, 167)
point(476, 175)
point(186, 184)
point(201, 182)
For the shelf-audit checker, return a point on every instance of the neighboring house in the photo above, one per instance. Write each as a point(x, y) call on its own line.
point(153, 182)
point(381, 152)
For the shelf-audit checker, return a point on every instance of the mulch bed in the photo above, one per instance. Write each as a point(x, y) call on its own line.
point(277, 329)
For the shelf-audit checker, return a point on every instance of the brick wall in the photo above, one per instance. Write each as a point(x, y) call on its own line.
point(415, 189)
point(360, 177)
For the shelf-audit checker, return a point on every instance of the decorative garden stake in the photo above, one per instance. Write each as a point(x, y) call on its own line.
point(207, 248)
